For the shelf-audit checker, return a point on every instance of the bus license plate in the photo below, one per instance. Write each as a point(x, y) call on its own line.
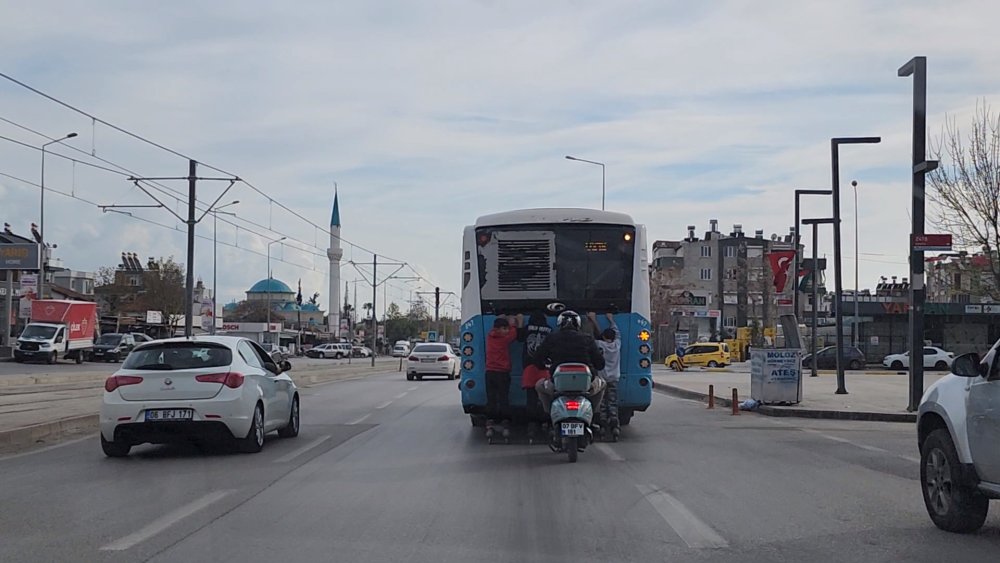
point(169, 414)
point(572, 429)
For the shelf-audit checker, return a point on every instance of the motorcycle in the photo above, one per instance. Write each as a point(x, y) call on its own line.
point(572, 413)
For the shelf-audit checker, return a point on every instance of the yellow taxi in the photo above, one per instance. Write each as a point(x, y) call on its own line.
point(709, 354)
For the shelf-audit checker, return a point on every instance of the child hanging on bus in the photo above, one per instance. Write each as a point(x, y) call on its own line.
point(498, 342)
point(533, 334)
point(610, 342)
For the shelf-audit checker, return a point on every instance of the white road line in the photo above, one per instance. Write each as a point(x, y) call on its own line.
point(695, 533)
point(910, 459)
point(165, 521)
point(401, 395)
point(292, 455)
point(359, 420)
point(414, 388)
point(383, 405)
point(608, 451)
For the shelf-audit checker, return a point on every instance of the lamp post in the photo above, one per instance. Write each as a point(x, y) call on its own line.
point(41, 219)
point(838, 273)
point(917, 67)
point(215, 252)
point(798, 194)
point(601, 164)
point(854, 331)
point(815, 284)
point(269, 283)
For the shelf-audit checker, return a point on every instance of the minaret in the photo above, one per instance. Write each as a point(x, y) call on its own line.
point(334, 253)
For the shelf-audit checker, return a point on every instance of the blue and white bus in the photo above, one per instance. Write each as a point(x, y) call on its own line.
point(525, 260)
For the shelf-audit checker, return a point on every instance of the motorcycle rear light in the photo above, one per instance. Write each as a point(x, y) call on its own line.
point(444, 359)
point(573, 405)
point(116, 381)
point(231, 379)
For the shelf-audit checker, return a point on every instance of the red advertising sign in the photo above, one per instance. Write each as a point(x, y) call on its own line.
point(781, 260)
point(931, 243)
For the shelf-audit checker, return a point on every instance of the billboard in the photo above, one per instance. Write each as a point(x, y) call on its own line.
point(19, 256)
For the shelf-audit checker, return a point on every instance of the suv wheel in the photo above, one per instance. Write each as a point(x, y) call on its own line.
point(953, 504)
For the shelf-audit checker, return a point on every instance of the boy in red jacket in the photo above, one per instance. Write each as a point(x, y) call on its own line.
point(498, 343)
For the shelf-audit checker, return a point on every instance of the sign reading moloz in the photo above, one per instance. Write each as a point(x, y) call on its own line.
point(19, 256)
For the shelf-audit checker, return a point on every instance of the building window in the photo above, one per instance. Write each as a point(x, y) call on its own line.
point(706, 251)
point(729, 322)
point(730, 252)
point(706, 274)
point(731, 273)
point(133, 281)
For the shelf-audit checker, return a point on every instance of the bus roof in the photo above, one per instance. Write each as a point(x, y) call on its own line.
point(554, 215)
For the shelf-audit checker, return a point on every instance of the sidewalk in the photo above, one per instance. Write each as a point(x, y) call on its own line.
point(32, 411)
point(878, 396)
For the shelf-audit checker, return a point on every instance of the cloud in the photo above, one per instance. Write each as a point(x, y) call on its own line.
point(428, 116)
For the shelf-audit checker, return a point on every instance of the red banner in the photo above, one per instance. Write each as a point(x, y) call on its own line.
point(781, 261)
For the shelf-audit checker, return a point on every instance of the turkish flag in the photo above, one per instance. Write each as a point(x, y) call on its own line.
point(781, 261)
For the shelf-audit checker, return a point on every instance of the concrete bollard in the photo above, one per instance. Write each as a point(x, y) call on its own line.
point(711, 396)
point(736, 402)
point(401, 364)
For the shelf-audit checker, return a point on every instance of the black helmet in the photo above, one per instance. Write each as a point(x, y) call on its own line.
point(568, 320)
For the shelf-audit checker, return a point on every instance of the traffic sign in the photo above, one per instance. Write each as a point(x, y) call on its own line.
point(923, 243)
point(432, 336)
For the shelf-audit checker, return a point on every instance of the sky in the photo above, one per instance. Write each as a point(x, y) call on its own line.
point(429, 114)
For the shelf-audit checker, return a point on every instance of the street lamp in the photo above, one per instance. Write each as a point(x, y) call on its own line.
point(838, 274)
point(815, 284)
point(269, 281)
point(215, 251)
point(601, 164)
point(41, 220)
point(798, 194)
point(854, 331)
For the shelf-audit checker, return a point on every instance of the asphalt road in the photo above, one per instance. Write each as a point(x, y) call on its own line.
point(390, 470)
point(67, 367)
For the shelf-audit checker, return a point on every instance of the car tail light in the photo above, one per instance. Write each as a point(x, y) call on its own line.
point(413, 359)
point(231, 379)
point(443, 359)
point(573, 405)
point(116, 381)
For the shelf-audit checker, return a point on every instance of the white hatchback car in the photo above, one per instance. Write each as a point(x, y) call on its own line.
point(934, 358)
point(198, 388)
point(430, 358)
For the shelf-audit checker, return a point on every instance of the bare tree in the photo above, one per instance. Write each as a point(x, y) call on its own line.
point(163, 285)
point(966, 189)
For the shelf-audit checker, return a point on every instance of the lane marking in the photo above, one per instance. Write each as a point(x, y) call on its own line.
point(401, 395)
point(695, 533)
point(166, 521)
point(383, 405)
point(608, 451)
point(414, 388)
point(910, 459)
point(292, 455)
point(359, 420)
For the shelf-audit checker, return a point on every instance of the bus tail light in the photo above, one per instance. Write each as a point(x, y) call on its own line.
point(468, 365)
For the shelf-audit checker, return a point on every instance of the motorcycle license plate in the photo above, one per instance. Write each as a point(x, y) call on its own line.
point(572, 429)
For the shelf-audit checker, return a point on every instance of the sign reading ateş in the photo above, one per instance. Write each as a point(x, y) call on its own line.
point(939, 242)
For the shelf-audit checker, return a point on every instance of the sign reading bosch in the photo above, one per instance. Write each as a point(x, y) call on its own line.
point(19, 256)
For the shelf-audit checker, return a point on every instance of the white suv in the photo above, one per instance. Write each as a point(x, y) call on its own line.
point(958, 429)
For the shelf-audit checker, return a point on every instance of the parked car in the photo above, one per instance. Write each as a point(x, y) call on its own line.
point(198, 389)
point(710, 354)
point(112, 347)
point(826, 358)
point(277, 353)
point(431, 359)
point(141, 338)
point(958, 428)
point(400, 350)
point(361, 352)
point(317, 351)
point(934, 358)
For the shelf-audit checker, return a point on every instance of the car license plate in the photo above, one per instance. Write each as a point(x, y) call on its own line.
point(428, 360)
point(572, 429)
point(169, 414)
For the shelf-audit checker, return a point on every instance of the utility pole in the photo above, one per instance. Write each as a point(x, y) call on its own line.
point(375, 283)
point(191, 221)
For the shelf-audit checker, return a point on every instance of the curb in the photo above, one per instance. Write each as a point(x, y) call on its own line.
point(791, 412)
point(27, 435)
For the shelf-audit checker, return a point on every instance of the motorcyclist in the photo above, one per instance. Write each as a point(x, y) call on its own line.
point(565, 346)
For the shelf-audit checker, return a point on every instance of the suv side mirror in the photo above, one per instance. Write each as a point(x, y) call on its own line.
point(966, 365)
